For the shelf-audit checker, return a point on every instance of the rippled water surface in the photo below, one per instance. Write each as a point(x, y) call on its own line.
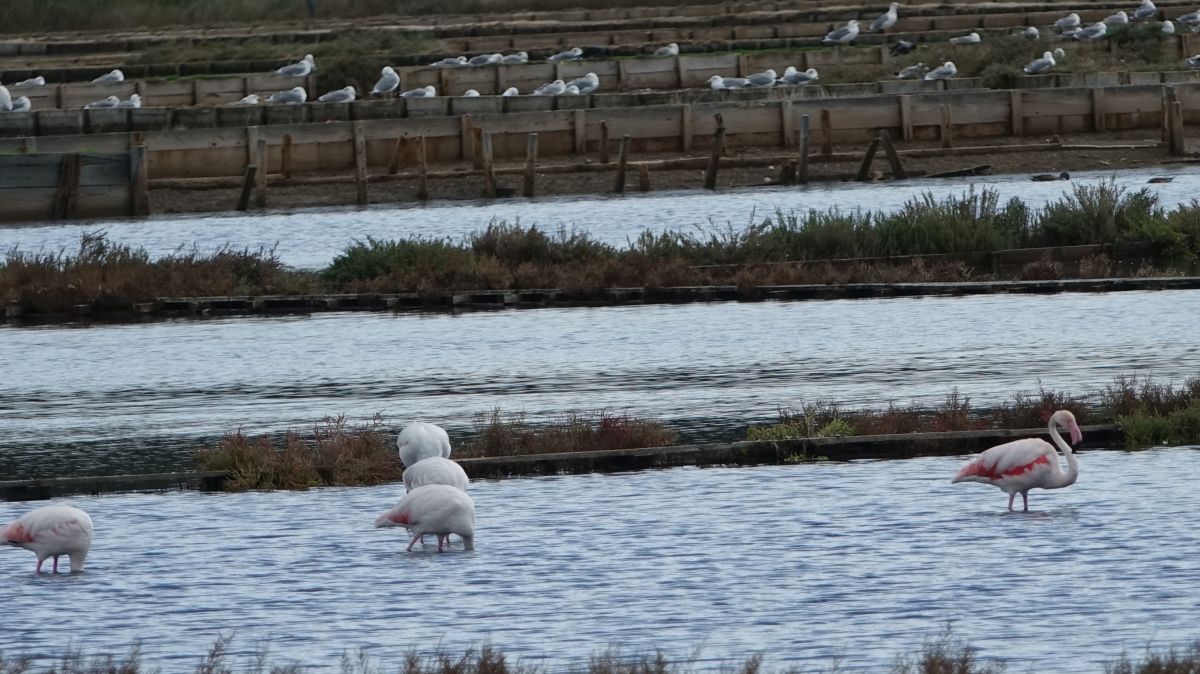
point(806, 563)
point(311, 238)
point(137, 398)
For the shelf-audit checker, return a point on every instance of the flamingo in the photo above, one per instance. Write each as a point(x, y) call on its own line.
point(434, 509)
point(421, 440)
point(435, 470)
point(52, 531)
point(1021, 465)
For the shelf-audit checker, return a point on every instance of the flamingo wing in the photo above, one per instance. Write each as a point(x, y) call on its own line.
point(1017, 459)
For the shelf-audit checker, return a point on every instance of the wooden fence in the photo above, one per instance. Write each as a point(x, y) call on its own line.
point(73, 185)
point(332, 147)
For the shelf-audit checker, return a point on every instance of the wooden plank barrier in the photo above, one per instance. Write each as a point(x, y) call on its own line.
point(51, 185)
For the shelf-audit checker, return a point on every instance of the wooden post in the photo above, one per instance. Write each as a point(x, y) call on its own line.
point(422, 170)
point(1016, 112)
point(489, 171)
point(893, 158)
point(477, 155)
point(785, 123)
point(247, 185)
point(360, 164)
point(1178, 144)
point(644, 177)
point(603, 141)
point(251, 143)
point(622, 162)
point(531, 152)
point(58, 96)
point(397, 153)
point(679, 72)
point(465, 137)
point(139, 182)
point(195, 92)
point(685, 127)
point(710, 175)
point(906, 125)
point(826, 132)
point(864, 169)
point(743, 65)
point(946, 133)
point(1167, 97)
point(285, 157)
point(580, 127)
point(1097, 109)
point(260, 177)
point(805, 142)
point(67, 194)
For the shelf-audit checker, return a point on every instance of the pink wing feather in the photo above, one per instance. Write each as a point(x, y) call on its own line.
point(1012, 459)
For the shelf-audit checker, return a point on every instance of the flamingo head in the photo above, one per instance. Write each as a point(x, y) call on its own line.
point(392, 518)
point(1065, 419)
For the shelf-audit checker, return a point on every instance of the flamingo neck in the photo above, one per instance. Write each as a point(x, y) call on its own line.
point(1069, 477)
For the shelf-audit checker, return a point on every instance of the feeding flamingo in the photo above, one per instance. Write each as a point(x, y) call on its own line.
point(421, 440)
point(1018, 466)
point(52, 531)
point(435, 470)
point(434, 509)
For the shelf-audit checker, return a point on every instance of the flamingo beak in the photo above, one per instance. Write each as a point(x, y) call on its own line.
point(1076, 434)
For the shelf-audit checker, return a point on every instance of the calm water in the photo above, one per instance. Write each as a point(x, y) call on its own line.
point(311, 238)
point(806, 563)
point(141, 397)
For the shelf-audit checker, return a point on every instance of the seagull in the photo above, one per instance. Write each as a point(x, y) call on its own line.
point(718, 83)
point(485, 60)
point(669, 50)
point(1092, 32)
point(1191, 17)
point(135, 101)
point(519, 57)
point(1193, 62)
point(913, 72)
point(886, 20)
point(764, 79)
point(38, 81)
point(902, 47)
point(6, 102)
point(1068, 22)
point(511, 91)
point(470, 93)
point(572, 54)
point(107, 102)
point(301, 68)
point(420, 92)
point(942, 72)
point(343, 95)
point(586, 84)
point(292, 96)
point(114, 76)
point(450, 62)
point(1168, 28)
point(1038, 66)
point(1060, 53)
point(252, 99)
point(571, 90)
point(843, 35)
point(1030, 32)
point(388, 81)
point(552, 89)
point(973, 38)
point(1147, 10)
point(1119, 17)
point(793, 76)
point(22, 104)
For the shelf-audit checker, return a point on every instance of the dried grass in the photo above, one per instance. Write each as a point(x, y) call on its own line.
point(500, 434)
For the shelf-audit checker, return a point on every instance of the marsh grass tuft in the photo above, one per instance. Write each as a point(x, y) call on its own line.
point(500, 434)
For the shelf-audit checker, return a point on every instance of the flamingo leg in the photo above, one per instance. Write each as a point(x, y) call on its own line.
point(55, 569)
point(38, 568)
point(1025, 497)
point(1010, 500)
point(441, 537)
point(413, 542)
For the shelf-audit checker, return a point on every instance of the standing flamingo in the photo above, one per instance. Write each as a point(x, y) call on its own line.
point(434, 509)
point(435, 470)
point(51, 531)
point(1021, 465)
point(420, 440)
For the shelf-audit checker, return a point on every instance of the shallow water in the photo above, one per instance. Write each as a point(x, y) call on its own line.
point(311, 238)
point(139, 398)
point(806, 563)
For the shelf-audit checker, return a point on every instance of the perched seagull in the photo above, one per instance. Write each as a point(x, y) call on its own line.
point(552, 89)
point(1068, 22)
point(38, 81)
point(1190, 17)
point(108, 102)
point(973, 38)
point(420, 92)
point(886, 20)
point(1168, 28)
point(293, 96)
point(1193, 62)
point(717, 82)
point(1119, 17)
point(22, 104)
point(519, 57)
point(572, 54)
point(669, 50)
point(6, 101)
point(343, 95)
point(843, 35)
point(252, 99)
point(135, 101)
point(1039, 66)
point(942, 72)
point(1147, 10)
point(571, 90)
point(470, 93)
point(114, 76)
point(913, 72)
point(511, 91)
point(902, 47)
point(301, 68)
point(450, 62)
point(388, 81)
point(1092, 32)
point(485, 60)
point(764, 79)
point(1030, 32)
point(1060, 53)
point(52, 531)
point(587, 84)
point(793, 76)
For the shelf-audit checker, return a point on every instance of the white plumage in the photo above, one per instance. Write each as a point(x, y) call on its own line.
point(669, 50)
point(587, 84)
point(435, 470)
point(434, 509)
point(843, 35)
point(942, 72)
point(1068, 22)
point(22, 104)
point(1038, 66)
point(343, 95)
point(519, 57)
point(388, 81)
point(134, 101)
point(793, 76)
point(886, 20)
point(6, 102)
point(38, 81)
point(252, 99)
point(421, 440)
point(112, 76)
point(106, 102)
point(511, 91)
point(572, 54)
point(301, 68)
point(420, 92)
point(52, 531)
point(293, 96)
point(764, 79)
point(552, 89)
point(970, 38)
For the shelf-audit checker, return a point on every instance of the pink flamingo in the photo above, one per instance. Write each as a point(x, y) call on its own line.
point(421, 440)
point(51, 531)
point(434, 509)
point(435, 470)
point(1020, 465)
